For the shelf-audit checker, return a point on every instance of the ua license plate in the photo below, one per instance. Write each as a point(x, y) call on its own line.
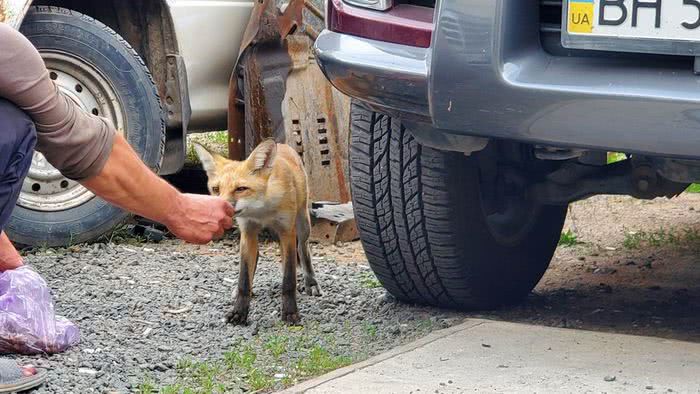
point(651, 26)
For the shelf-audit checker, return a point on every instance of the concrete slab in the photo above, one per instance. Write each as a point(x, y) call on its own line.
point(489, 356)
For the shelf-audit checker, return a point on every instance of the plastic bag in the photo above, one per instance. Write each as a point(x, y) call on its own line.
point(28, 324)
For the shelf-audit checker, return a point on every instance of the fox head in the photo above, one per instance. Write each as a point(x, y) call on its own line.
point(243, 183)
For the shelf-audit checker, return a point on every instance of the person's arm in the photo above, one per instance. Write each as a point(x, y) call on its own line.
point(86, 148)
point(74, 141)
point(127, 183)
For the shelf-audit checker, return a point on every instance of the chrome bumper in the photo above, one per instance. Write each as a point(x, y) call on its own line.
point(390, 76)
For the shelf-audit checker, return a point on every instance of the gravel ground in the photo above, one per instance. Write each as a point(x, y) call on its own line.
point(151, 318)
point(151, 314)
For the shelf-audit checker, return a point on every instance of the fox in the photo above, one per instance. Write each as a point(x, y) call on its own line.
point(268, 190)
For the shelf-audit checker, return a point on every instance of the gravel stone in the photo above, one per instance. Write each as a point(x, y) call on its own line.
point(141, 308)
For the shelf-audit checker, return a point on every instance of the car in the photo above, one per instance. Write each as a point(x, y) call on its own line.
point(475, 123)
point(157, 69)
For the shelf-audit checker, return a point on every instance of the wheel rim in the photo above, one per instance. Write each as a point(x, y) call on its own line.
point(45, 189)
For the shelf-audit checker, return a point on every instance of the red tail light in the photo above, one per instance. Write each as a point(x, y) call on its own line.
point(402, 24)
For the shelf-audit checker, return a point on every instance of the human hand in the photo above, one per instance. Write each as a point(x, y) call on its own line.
point(199, 219)
point(9, 257)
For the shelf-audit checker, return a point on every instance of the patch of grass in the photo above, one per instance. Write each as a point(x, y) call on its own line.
point(369, 281)
point(568, 238)
point(614, 157)
point(277, 345)
point(633, 239)
point(661, 237)
point(319, 361)
point(122, 235)
point(694, 188)
point(147, 386)
point(241, 357)
point(264, 363)
point(425, 324)
point(175, 389)
point(216, 141)
point(258, 380)
point(370, 329)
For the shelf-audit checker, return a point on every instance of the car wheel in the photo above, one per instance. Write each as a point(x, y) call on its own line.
point(430, 226)
point(98, 70)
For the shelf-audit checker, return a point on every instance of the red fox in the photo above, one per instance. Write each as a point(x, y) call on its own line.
point(268, 190)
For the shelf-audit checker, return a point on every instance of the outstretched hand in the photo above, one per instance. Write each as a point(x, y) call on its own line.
point(9, 258)
point(199, 219)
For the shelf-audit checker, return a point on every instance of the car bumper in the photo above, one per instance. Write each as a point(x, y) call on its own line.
point(487, 74)
point(389, 76)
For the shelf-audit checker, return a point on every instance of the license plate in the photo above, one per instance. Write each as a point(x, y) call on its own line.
point(652, 26)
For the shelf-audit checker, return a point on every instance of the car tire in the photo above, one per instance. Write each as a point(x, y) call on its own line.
point(423, 226)
point(100, 71)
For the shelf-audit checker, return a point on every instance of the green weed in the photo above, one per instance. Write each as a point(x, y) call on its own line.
point(277, 345)
point(369, 281)
point(694, 188)
point(370, 329)
point(216, 141)
point(122, 235)
point(319, 360)
point(568, 238)
point(147, 386)
point(258, 380)
point(661, 237)
point(243, 358)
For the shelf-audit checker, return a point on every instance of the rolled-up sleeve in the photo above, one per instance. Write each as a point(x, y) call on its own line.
point(75, 142)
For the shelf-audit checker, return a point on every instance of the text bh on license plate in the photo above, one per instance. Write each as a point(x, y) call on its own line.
point(656, 19)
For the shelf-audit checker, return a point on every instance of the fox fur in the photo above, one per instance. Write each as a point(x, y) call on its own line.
point(267, 190)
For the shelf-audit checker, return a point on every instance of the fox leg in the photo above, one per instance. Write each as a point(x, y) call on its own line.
point(303, 231)
point(249, 262)
point(288, 244)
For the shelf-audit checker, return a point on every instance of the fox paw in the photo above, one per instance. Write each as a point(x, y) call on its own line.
point(310, 287)
point(291, 318)
point(238, 316)
point(290, 312)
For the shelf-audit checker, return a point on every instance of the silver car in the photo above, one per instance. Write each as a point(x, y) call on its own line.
point(158, 69)
point(475, 123)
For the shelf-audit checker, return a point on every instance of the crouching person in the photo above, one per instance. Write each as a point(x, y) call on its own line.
point(35, 115)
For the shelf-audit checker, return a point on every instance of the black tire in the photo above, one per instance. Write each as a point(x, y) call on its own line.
point(423, 226)
point(65, 31)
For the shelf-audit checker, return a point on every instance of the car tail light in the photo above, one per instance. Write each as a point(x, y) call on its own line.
point(381, 5)
point(401, 24)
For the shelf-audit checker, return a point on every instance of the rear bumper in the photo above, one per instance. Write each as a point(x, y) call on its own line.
point(486, 74)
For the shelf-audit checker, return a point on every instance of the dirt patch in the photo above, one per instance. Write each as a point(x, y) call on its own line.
point(636, 270)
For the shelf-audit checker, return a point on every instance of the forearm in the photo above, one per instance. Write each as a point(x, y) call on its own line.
point(129, 184)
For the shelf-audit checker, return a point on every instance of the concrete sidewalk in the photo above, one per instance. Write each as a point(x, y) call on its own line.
point(488, 356)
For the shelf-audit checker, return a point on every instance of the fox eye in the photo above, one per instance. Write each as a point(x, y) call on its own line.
point(215, 189)
point(240, 189)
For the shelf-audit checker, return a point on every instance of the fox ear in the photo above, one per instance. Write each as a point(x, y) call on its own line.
point(209, 160)
point(264, 155)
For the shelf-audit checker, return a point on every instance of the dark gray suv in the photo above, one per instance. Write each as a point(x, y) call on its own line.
point(476, 122)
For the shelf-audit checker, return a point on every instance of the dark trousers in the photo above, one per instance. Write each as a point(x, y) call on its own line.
point(17, 141)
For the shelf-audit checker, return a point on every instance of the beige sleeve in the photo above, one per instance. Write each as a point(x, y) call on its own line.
point(74, 141)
